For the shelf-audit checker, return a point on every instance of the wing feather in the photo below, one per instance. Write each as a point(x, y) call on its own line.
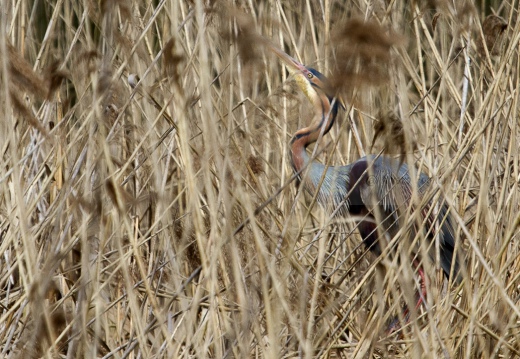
point(388, 193)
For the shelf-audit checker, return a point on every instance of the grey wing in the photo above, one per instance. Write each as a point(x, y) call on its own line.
point(446, 229)
point(381, 193)
point(389, 192)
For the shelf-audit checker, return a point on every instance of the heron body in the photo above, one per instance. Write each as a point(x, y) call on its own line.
point(376, 189)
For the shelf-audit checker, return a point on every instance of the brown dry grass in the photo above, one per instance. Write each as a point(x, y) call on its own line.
point(160, 219)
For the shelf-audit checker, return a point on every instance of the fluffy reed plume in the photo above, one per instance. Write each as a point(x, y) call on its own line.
point(23, 79)
point(389, 128)
point(362, 56)
point(493, 29)
point(159, 217)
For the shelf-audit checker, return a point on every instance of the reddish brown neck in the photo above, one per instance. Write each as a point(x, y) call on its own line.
point(324, 118)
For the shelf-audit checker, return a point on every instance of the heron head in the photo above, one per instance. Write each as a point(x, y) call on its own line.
point(312, 82)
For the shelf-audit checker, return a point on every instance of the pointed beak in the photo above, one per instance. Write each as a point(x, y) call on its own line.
point(301, 74)
point(292, 65)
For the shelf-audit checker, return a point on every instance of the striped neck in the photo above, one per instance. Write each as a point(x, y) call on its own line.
point(323, 119)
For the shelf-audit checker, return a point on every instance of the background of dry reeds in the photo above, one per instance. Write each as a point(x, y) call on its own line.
point(161, 220)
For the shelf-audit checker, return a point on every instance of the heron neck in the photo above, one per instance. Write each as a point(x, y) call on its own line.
point(324, 119)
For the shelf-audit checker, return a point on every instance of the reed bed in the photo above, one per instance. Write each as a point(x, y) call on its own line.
point(149, 209)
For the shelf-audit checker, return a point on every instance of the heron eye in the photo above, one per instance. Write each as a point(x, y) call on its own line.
point(310, 75)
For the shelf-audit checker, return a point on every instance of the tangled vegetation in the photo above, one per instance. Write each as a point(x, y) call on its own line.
point(148, 206)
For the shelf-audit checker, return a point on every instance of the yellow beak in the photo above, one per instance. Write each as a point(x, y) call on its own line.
point(292, 65)
point(296, 68)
